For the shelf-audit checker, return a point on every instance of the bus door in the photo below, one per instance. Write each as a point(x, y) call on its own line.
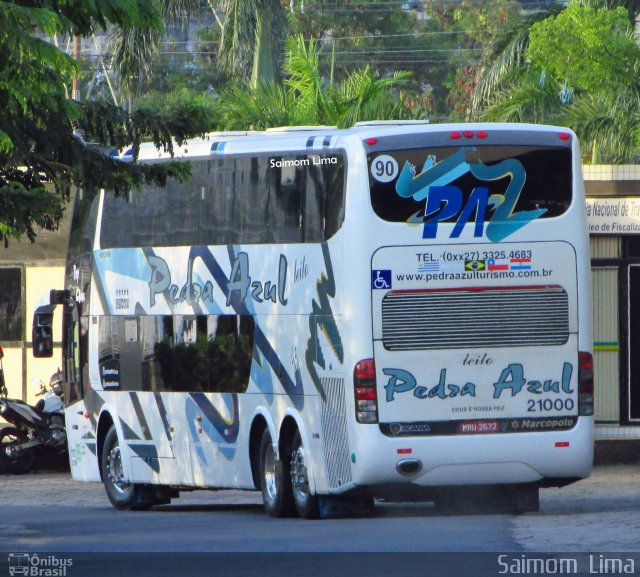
point(72, 354)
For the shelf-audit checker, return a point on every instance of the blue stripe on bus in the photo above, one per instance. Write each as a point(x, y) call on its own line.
point(163, 415)
point(294, 390)
point(149, 454)
point(137, 407)
point(223, 433)
point(217, 147)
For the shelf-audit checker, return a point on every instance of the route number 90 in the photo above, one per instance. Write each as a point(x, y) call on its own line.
point(384, 168)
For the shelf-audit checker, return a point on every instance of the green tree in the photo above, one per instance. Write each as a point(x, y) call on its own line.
point(352, 35)
point(469, 32)
point(593, 48)
point(306, 98)
point(252, 38)
point(576, 68)
point(134, 49)
point(44, 148)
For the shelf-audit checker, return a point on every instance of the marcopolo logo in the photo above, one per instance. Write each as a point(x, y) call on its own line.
point(32, 564)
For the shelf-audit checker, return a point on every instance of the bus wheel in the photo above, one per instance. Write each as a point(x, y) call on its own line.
point(306, 504)
point(526, 499)
point(274, 480)
point(121, 493)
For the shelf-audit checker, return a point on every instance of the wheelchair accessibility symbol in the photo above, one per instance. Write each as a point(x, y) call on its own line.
point(380, 279)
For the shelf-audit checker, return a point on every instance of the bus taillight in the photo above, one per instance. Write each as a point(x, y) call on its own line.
point(457, 135)
point(585, 384)
point(366, 395)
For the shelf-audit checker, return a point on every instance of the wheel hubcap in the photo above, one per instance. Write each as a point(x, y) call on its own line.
point(9, 448)
point(299, 479)
point(270, 478)
point(114, 470)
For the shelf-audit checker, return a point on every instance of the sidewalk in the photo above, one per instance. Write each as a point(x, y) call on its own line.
point(601, 513)
point(614, 452)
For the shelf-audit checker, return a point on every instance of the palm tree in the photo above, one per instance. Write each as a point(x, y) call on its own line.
point(252, 38)
point(508, 56)
point(306, 99)
point(251, 42)
point(528, 82)
point(133, 48)
point(266, 105)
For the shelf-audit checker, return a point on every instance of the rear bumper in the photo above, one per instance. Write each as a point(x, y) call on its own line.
point(547, 458)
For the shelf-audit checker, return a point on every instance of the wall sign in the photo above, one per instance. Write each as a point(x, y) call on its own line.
point(613, 215)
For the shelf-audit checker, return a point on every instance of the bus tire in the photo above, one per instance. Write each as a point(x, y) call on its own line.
point(307, 505)
point(275, 480)
point(526, 499)
point(122, 494)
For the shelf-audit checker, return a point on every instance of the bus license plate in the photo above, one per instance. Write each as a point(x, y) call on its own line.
point(474, 427)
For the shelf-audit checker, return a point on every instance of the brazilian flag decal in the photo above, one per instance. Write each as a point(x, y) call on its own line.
point(474, 265)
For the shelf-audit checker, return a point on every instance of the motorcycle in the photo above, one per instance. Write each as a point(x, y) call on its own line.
point(40, 425)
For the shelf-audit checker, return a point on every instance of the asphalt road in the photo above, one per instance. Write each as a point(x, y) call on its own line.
point(51, 517)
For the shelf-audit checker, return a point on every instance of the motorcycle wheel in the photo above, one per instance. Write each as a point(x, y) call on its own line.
point(21, 464)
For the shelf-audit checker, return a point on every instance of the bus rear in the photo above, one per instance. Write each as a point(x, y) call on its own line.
point(480, 310)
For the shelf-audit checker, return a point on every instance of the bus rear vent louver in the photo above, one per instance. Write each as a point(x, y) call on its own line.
point(475, 318)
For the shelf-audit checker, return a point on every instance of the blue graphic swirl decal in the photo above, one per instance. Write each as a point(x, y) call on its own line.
point(261, 376)
point(201, 414)
point(322, 318)
point(293, 388)
point(444, 201)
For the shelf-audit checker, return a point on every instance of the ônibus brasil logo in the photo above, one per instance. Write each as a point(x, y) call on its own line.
point(34, 565)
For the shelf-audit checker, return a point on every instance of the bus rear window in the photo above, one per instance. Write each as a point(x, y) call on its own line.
point(539, 178)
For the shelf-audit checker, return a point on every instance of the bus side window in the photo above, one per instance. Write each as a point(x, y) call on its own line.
point(324, 210)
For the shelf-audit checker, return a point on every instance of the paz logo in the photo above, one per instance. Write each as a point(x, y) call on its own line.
point(493, 215)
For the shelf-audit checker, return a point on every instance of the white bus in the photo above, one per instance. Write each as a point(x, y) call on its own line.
point(389, 310)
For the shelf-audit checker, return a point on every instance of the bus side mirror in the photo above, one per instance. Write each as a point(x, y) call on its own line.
point(42, 332)
point(59, 297)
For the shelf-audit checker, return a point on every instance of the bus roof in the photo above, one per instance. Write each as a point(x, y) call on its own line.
point(307, 137)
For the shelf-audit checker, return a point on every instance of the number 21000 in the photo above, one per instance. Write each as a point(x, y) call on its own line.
point(546, 405)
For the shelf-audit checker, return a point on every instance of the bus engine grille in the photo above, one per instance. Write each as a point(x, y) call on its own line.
point(475, 318)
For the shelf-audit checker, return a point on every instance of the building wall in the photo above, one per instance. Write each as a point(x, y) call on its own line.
point(40, 267)
point(613, 198)
point(20, 368)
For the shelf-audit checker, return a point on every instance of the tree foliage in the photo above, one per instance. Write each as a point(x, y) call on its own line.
point(50, 143)
point(577, 68)
point(307, 98)
point(471, 31)
point(592, 48)
point(252, 38)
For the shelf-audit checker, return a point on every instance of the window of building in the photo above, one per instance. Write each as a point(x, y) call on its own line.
point(10, 304)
